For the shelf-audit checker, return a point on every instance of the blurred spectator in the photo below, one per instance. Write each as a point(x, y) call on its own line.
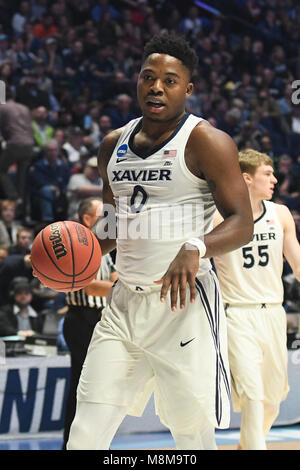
point(266, 145)
point(42, 131)
point(49, 177)
point(121, 113)
point(38, 8)
point(29, 94)
point(23, 243)
point(273, 83)
point(288, 187)
point(83, 185)
point(285, 107)
point(243, 54)
point(265, 105)
point(119, 84)
point(59, 136)
point(258, 57)
point(76, 67)
point(91, 42)
point(3, 253)
point(22, 58)
point(101, 70)
point(15, 126)
point(46, 27)
point(32, 43)
point(18, 317)
point(64, 119)
point(191, 25)
point(269, 25)
point(91, 125)
point(11, 267)
point(46, 300)
point(8, 223)
point(110, 29)
point(79, 112)
point(21, 17)
point(278, 61)
point(247, 137)
point(74, 147)
point(53, 60)
point(231, 122)
point(100, 7)
point(4, 50)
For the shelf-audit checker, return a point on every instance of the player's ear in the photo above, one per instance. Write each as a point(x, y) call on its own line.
point(248, 178)
point(189, 89)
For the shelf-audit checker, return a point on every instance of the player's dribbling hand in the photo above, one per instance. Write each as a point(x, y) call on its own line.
point(182, 271)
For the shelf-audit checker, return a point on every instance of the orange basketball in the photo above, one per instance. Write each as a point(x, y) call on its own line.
point(65, 256)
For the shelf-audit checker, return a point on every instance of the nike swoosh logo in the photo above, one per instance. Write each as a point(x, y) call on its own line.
point(121, 160)
point(187, 342)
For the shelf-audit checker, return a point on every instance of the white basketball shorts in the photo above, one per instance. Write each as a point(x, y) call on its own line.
point(257, 352)
point(141, 346)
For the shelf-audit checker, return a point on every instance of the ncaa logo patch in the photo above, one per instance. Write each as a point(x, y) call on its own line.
point(122, 150)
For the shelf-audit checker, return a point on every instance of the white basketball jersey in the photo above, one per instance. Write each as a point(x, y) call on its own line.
point(160, 204)
point(252, 274)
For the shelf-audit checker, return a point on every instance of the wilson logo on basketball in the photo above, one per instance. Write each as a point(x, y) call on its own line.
point(57, 243)
point(81, 234)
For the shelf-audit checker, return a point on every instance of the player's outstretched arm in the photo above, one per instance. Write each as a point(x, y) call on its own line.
point(291, 246)
point(212, 154)
point(105, 227)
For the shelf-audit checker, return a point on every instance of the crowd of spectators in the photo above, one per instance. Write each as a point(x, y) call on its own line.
point(72, 66)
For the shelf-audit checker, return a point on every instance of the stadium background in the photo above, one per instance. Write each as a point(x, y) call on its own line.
point(74, 64)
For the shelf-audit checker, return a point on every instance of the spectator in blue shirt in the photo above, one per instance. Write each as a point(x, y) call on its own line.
point(48, 179)
point(100, 7)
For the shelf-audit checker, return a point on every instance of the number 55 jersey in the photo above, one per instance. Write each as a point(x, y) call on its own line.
point(160, 204)
point(252, 274)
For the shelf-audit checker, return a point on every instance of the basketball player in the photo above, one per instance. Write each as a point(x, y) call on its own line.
point(251, 285)
point(84, 310)
point(164, 172)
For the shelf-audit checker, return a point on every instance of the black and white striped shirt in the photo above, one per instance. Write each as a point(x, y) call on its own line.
point(81, 299)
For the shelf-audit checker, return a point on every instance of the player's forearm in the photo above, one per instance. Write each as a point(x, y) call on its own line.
point(234, 232)
point(98, 288)
point(105, 231)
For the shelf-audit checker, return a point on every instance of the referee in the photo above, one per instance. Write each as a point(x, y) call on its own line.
point(84, 310)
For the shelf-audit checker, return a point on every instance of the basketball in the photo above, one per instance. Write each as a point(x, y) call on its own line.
point(65, 256)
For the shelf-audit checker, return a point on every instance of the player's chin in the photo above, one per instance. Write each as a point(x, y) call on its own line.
point(269, 195)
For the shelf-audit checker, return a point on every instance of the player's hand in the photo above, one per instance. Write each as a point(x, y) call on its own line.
point(182, 271)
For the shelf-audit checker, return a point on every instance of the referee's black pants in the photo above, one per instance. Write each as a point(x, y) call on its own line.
point(78, 328)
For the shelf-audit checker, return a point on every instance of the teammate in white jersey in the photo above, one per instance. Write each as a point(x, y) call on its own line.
point(252, 290)
point(163, 174)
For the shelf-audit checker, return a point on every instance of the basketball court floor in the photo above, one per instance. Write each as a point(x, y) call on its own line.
point(279, 438)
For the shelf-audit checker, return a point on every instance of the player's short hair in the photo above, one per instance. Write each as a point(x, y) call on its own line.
point(175, 46)
point(250, 160)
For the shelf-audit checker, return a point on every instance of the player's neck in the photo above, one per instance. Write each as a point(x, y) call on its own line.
point(257, 206)
point(155, 129)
